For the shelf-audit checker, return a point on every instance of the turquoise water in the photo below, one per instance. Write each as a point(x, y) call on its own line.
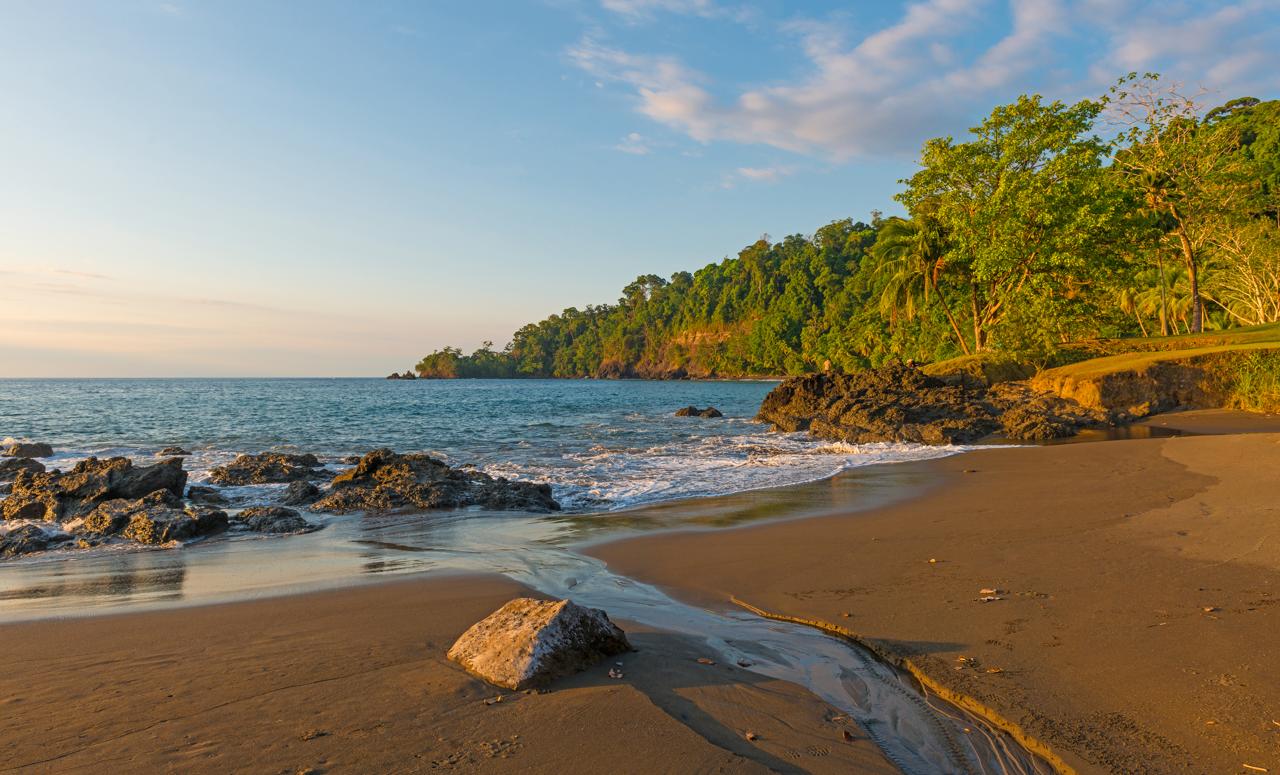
point(603, 445)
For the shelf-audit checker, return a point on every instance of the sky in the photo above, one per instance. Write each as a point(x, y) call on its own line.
point(312, 188)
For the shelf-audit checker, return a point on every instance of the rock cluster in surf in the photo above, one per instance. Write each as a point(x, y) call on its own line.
point(384, 480)
point(529, 643)
point(692, 411)
point(900, 403)
point(268, 468)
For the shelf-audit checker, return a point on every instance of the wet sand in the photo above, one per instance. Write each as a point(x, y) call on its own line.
point(355, 680)
point(1138, 625)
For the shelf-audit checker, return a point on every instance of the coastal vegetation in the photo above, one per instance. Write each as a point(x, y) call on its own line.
point(1047, 229)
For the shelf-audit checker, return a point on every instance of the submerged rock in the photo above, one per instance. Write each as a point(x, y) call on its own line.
point(207, 495)
point(268, 468)
point(693, 411)
point(529, 643)
point(27, 449)
point(273, 519)
point(384, 480)
point(172, 452)
point(301, 494)
point(55, 496)
point(900, 403)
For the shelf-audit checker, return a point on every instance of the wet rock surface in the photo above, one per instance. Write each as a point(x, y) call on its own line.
point(54, 496)
point(28, 538)
point(692, 411)
point(900, 403)
point(209, 496)
point(172, 452)
point(384, 480)
point(301, 494)
point(27, 449)
point(9, 467)
point(268, 468)
point(273, 519)
point(157, 518)
point(529, 643)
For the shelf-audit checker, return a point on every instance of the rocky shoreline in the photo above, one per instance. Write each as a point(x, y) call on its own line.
point(116, 501)
point(900, 403)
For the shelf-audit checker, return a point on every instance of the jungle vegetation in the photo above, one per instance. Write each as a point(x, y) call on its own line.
point(1136, 214)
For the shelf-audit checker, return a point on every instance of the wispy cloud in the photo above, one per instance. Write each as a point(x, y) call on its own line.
point(635, 144)
point(886, 90)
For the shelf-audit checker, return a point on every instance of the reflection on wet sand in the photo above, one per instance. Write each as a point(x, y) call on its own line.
point(357, 549)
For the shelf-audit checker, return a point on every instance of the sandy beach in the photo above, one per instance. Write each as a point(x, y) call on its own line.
point(356, 681)
point(1138, 582)
point(1133, 631)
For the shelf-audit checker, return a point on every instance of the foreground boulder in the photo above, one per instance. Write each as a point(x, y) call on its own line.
point(900, 403)
point(9, 467)
point(55, 496)
point(157, 518)
point(267, 468)
point(529, 643)
point(27, 449)
point(693, 411)
point(273, 519)
point(384, 480)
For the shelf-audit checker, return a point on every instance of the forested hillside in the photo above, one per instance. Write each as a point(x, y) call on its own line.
point(1133, 215)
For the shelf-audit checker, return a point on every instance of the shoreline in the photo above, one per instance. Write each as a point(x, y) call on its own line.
point(1130, 636)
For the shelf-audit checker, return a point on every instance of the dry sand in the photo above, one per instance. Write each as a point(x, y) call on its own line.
point(356, 681)
point(1138, 629)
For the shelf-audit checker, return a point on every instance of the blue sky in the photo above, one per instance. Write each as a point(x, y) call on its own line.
point(324, 188)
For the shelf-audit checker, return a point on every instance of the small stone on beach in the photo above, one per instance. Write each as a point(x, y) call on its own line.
point(615, 672)
point(705, 661)
point(752, 736)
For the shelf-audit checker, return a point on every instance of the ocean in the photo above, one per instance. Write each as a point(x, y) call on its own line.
point(602, 445)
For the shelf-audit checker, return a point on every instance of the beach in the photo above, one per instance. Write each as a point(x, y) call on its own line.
point(1138, 585)
point(1131, 629)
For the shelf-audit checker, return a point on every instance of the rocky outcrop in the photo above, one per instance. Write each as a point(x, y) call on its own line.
point(273, 519)
point(157, 518)
point(384, 480)
point(693, 411)
point(529, 643)
point(27, 449)
point(900, 403)
point(55, 496)
point(172, 452)
point(405, 375)
point(267, 468)
point(301, 494)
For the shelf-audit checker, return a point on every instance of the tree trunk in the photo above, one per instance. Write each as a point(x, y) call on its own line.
point(1193, 273)
point(977, 319)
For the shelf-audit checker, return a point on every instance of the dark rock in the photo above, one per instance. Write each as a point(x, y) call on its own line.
point(273, 519)
point(384, 480)
point(9, 467)
point(206, 495)
point(27, 449)
point(900, 403)
point(301, 494)
point(693, 411)
point(28, 538)
point(172, 452)
point(55, 495)
point(405, 375)
point(267, 468)
point(154, 519)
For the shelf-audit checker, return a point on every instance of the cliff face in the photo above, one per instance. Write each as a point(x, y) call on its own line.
point(1135, 385)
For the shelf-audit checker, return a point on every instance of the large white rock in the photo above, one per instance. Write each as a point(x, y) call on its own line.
point(528, 643)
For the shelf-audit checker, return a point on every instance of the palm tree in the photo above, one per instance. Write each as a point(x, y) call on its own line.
point(911, 257)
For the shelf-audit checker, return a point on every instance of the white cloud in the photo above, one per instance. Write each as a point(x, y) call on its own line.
point(919, 77)
point(756, 175)
point(645, 8)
